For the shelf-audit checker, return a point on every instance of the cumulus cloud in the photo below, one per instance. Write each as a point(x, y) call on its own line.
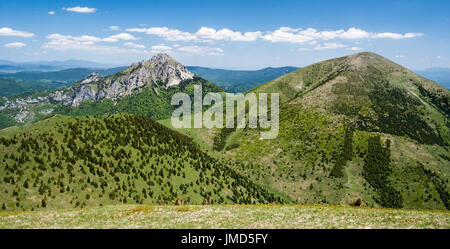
point(15, 45)
point(84, 42)
point(10, 32)
point(283, 34)
point(121, 36)
point(226, 34)
point(399, 56)
point(114, 28)
point(200, 50)
point(287, 34)
point(51, 12)
point(166, 33)
point(355, 48)
point(134, 45)
point(329, 45)
point(161, 49)
point(79, 9)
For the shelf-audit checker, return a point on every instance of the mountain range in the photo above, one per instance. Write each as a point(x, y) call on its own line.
point(29, 81)
point(11, 67)
point(236, 81)
point(230, 80)
point(437, 74)
point(358, 127)
point(143, 88)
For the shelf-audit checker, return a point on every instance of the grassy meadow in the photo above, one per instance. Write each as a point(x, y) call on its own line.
point(227, 216)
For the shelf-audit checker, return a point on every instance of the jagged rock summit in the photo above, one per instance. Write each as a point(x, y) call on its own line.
point(160, 70)
point(93, 77)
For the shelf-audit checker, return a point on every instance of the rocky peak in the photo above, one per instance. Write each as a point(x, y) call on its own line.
point(92, 77)
point(162, 67)
point(160, 70)
point(161, 58)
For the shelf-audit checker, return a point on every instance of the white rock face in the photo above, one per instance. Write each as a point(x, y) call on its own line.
point(93, 77)
point(22, 116)
point(82, 94)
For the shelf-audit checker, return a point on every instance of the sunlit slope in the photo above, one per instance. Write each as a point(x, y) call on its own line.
point(351, 127)
point(67, 162)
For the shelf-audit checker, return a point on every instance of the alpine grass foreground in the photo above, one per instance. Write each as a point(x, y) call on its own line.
point(227, 216)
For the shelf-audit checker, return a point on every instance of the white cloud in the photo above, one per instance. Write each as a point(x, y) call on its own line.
point(10, 32)
point(15, 45)
point(85, 42)
point(201, 50)
point(329, 45)
point(51, 12)
point(166, 33)
point(121, 36)
point(114, 28)
point(438, 57)
point(161, 49)
point(400, 56)
point(134, 45)
point(227, 35)
point(283, 34)
point(396, 36)
point(355, 48)
point(287, 34)
point(79, 9)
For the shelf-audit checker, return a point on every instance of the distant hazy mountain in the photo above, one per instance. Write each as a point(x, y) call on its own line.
point(20, 82)
point(11, 66)
point(240, 80)
point(439, 74)
point(22, 67)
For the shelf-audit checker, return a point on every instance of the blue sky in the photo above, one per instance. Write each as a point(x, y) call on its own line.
point(226, 34)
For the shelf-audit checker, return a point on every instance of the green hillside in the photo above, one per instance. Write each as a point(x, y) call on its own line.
point(352, 127)
point(10, 87)
point(64, 162)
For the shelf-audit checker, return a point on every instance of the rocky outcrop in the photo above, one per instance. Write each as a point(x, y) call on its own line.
point(93, 77)
point(160, 70)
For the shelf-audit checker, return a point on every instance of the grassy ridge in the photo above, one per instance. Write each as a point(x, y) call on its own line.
point(312, 161)
point(226, 216)
point(65, 162)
